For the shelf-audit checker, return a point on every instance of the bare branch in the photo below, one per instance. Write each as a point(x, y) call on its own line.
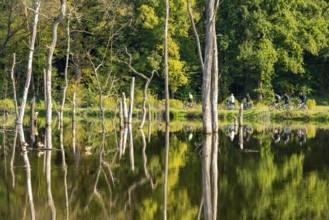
point(35, 11)
point(189, 9)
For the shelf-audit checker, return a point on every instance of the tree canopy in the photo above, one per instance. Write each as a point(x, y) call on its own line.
point(263, 46)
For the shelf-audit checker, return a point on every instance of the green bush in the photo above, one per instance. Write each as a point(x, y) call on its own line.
point(7, 104)
point(311, 103)
point(176, 104)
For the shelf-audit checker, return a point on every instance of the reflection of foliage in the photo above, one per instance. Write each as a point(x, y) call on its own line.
point(271, 187)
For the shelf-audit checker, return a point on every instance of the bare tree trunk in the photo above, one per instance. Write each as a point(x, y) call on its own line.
point(99, 86)
point(241, 115)
point(12, 75)
point(65, 76)
point(49, 73)
point(131, 102)
point(144, 100)
point(125, 111)
point(148, 81)
point(166, 72)
point(28, 73)
point(189, 9)
point(32, 123)
point(131, 147)
point(121, 115)
point(208, 67)
point(214, 84)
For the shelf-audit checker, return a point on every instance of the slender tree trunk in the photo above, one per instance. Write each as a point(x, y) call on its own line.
point(148, 81)
point(121, 115)
point(32, 123)
point(196, 35)
point(49, 73)
point(12, 75)
point(65, 76)
point(131, 147)
point(100, 94)
point(125, 111)
point(144, 100)
point(208, 67)
point(28, 73)
point(166, 72)
point(131, 102)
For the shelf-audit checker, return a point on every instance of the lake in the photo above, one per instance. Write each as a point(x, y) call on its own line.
point(270, 171)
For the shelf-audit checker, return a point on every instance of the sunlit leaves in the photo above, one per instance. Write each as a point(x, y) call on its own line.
point(148, 17)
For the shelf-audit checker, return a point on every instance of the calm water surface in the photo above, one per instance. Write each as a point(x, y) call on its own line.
point(258, 172)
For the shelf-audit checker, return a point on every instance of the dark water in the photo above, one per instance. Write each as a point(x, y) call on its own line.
point(280, 172)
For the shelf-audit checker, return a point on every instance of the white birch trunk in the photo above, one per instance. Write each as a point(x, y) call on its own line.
point(49, 73)
point(28, 73)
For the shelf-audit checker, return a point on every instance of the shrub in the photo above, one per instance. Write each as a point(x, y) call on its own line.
point(7, 104)
point(311, 103)
point(176, 104)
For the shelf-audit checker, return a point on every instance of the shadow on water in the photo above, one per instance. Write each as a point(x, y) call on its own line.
point(251, 172)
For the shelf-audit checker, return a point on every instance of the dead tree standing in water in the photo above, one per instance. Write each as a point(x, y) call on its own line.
point(148, 81)
point(28, 73)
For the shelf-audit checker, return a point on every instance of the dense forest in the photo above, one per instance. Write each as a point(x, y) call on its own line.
point(263, 46)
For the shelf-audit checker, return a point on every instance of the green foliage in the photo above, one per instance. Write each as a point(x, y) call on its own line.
point(7, 104)
point(264, 46)
point(148, 17)
point(311, 103)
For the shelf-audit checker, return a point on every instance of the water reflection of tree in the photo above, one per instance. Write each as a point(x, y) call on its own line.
point(210, 176)
point(104, 168)
point(271, 187)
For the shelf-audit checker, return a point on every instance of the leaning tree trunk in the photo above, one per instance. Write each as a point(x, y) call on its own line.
point(208, 67)
point(189, 9)
point(48, 73)
point(28, 73)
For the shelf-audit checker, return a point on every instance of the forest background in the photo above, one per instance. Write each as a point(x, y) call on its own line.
point(263, 46)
